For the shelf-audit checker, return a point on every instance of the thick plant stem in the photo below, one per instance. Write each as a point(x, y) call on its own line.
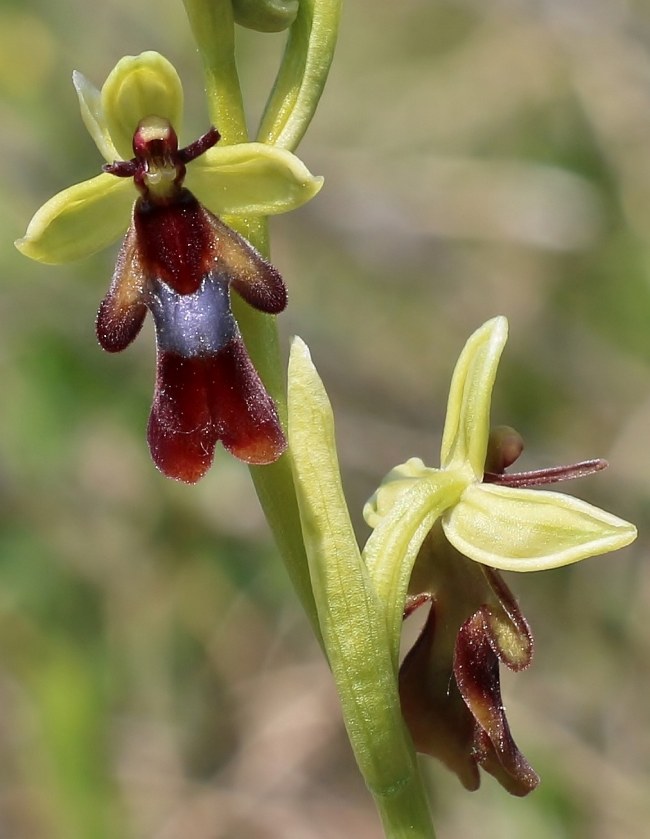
point(213, 28)
point(274, 483)
point(405, 814)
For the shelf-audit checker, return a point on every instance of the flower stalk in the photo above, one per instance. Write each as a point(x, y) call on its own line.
point(213, 27)
point(290, 108)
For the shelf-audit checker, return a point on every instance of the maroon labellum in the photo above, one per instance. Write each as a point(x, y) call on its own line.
point(178, 261)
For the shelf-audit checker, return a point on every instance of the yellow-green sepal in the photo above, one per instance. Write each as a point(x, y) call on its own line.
point(251, 179)
point(398, 481)
point(140, 86)
point(79, 221)
point(531, 530)
point(92, 114)
point(409, 514)
point(467, 426)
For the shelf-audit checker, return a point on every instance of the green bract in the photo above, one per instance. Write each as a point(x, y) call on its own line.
point(500, 526)
point(352, 619)
point(241, 180)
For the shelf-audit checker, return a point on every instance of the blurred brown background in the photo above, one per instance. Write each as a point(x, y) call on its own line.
point(157, 679)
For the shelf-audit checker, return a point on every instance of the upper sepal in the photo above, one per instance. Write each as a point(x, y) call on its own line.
point(139, 86)
point(466, 431)
point(530, 530)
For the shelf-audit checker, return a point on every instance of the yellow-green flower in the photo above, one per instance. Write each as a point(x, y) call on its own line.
point(458, 524)
point(178, 260)
point(505, 527)
point(247, 179)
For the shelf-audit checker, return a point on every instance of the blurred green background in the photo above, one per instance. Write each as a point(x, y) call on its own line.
point(157, 679)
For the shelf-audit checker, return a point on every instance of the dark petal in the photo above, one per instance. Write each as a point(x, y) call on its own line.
point(504, 447)
point(252, 277)
point(476, 668)
point(200, 146)
point(181, 433)
point(243, 412)
point(509, 633)
point(202, 399)
point(175, 240)
point(181, 242)
point(122, 311)
point(413, 602)
point(121, 168)
point(436, 715)
point(194, 324)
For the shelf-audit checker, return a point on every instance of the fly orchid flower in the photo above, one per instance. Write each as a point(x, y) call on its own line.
point(459, 524)
point(178, 260)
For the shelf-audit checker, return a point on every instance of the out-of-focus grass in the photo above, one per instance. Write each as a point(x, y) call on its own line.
point(156, 677)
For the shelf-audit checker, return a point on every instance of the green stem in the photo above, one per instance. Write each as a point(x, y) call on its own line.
point(405, 815)
point(274, 483)
point(213, 28)
point(303, 497)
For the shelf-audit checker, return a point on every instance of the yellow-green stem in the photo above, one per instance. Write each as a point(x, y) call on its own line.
point(274, 483)
point(213, 28)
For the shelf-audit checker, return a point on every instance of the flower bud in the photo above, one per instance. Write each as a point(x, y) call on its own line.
point(265, 15)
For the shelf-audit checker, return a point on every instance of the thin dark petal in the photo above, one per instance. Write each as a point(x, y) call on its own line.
point(512, 640)
point(413, 602)
point(244, 414)
point(550, 475)
point(252, 277)
point(121, 168)
point(504, 447)
point(122, 311)
point(198, 147)
point(181, 433)
point(476, 668)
